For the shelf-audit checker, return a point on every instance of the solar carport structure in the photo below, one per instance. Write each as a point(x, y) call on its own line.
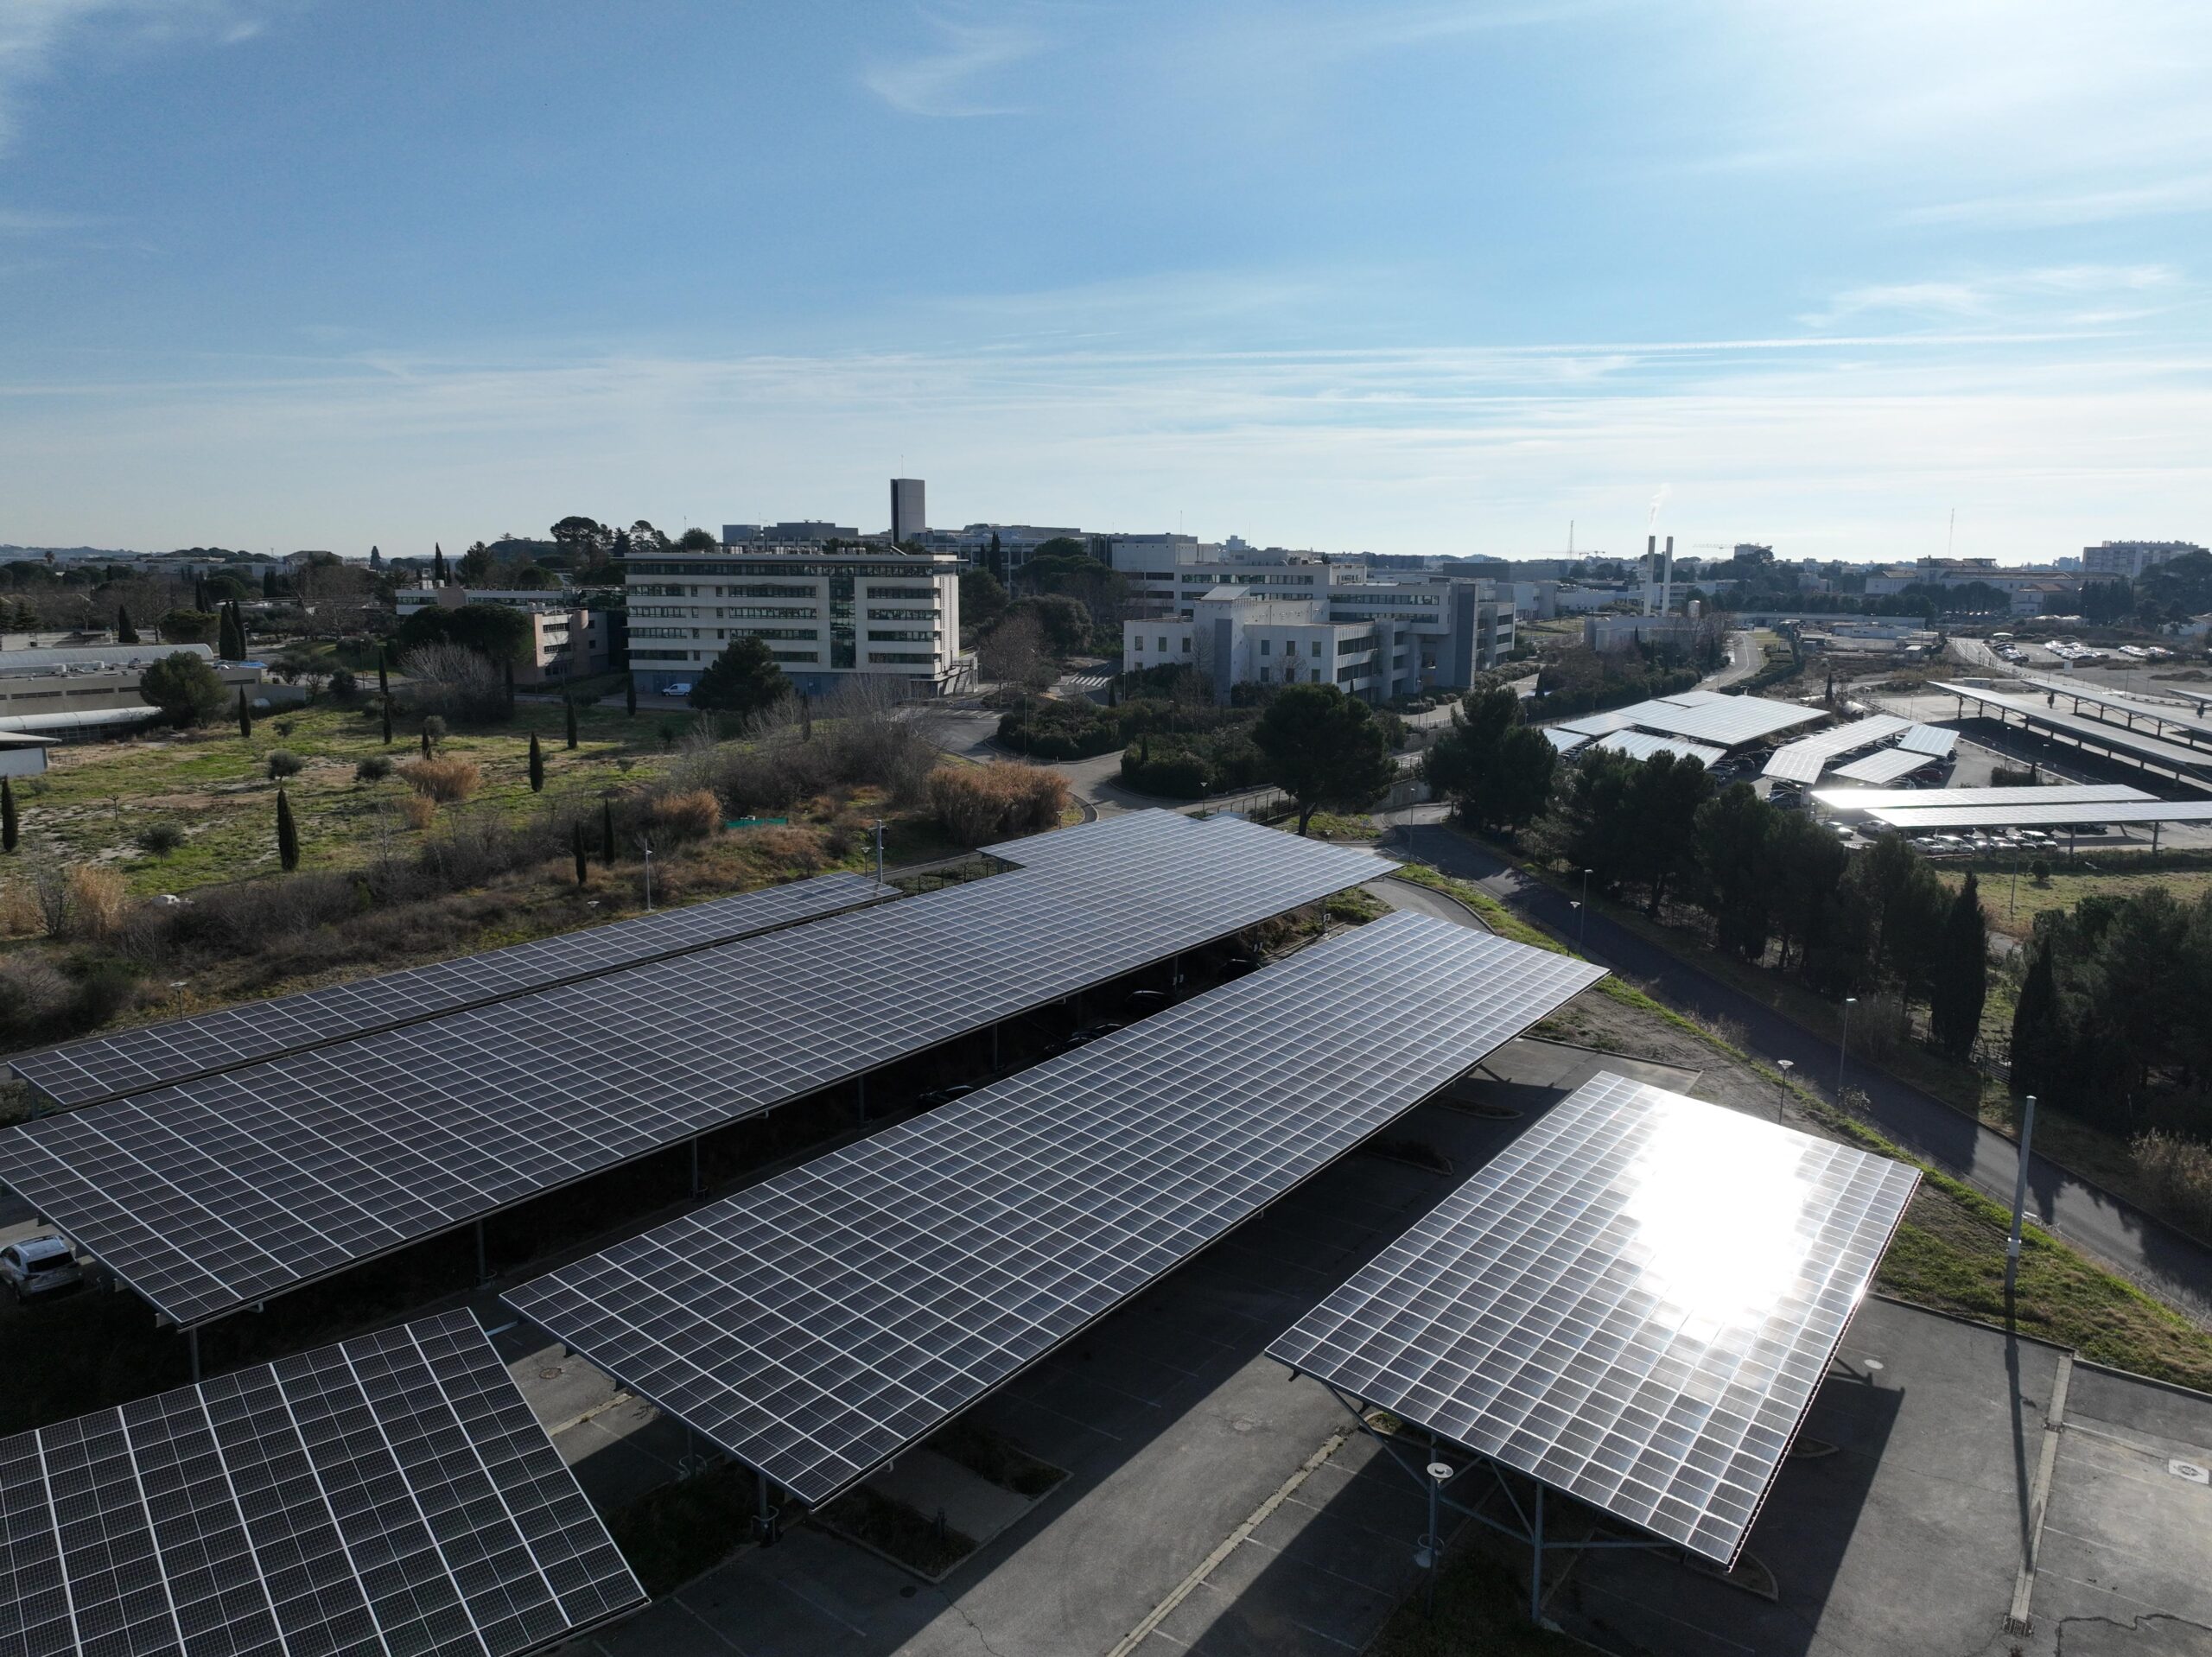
point(220, 1192)
point(390, 1495)
point(1633, 1304)
point(817, 1324)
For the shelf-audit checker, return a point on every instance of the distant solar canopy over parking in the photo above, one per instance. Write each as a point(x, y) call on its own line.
point(1563, 740)
point(1873, 799)
point(2034, 814)
point(223, 1191)
point(391, 1495)
point(819, 1323)
point(2126, 706)
point(2112, 737)
point(1644, 745)
point(1884, 765)
point(1633, 1303)
point(1936, 739)
point(1702, 716)
point(107, 1068)
point(1803, 760)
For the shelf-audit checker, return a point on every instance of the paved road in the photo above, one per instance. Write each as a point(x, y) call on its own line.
point(2163, 1260)
point(1743, 662)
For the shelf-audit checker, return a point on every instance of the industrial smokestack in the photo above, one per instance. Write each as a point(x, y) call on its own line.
point(1651, 568)
point(1667, 587)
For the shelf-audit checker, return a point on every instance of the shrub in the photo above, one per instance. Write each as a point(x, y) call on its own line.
point(185, 688)
point(282, 762)
point(2179, 1174)
point(452, 681)
point(418, 809)
point(374, 769)
point(160, 839)
point(694, 814)
point(344, 687)
point(792, 848)
point(96, 900)
point(33, 997)
point(444, 781)
point(976, 803)
point(1167, 770)
point(284, 727)
point(107, 988)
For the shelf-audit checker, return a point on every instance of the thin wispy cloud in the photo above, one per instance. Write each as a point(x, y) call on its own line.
point(2076, 294)
point(955, 79)
point(37, 36)
point(2059, 208)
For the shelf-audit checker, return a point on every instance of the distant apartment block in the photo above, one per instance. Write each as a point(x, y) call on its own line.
point(566, 641)
point(910, 519)
point(826, 616)
point(2129, 559)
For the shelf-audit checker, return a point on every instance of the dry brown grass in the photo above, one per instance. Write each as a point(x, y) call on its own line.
point(19, 916)
point(97, 897)
point(418, 809)
point(2180, 1173)
point(695, 815)
point(445, 781)
point(798, 849)
point(981, 802)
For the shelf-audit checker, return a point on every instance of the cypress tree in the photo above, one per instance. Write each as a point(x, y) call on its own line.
point(536, 765)
point(426, 742)
point(269, 582)
point(245, 715)
point(11, 831)
point(2036, 1035)
point(199, 592)
point(287, 834)
point(629, 697)
point(576, 843)
point(437, 563)
point(1960, 982)
point(124, 632)
point(569, 711)
point(607, 833)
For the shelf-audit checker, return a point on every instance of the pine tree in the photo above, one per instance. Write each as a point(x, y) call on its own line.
point(629, 697)
point(576, 843)
point(2035, 1034)
point(536, 765)
point(607, 833)
point(11, 829)
point(124, 632)
point(245, 715)
point(1960, 980)
point(568, 710)
point(287, 834)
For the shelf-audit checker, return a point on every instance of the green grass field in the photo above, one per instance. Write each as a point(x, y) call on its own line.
point(213, 786)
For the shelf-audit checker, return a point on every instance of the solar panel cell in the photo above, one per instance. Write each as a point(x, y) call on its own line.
point(1582, 1310)
point(392, 1494)
point(816, 1324)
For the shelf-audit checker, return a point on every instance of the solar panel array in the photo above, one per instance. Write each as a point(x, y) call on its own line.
point(1700, 716)
point(2120, 703)
point(1633, 1303)
point(1644, 744)
point(222, 1191)
point(1803, 760)
point(2100, 733)
point(1563, 740)
point(393, 1494)
point(2032, 814)
point(1871, 799)
point(1935, 739)
point(1884, 765)
point(176, 1051)
point(816, 1323)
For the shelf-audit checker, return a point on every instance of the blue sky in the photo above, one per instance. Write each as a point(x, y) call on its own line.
point(1407, 278)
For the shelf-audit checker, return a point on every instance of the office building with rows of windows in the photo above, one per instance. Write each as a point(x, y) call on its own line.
point(826, 614)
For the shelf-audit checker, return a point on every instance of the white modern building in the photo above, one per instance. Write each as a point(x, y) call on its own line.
point(826, 616)
point(2130, 558)
point(1317, 623)
point(791, 532)
point(910, 518)
point(567, 640)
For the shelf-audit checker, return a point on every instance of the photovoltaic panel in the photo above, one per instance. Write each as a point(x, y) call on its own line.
point(1565, 740)
point(1644, 744)
point(228, 1189)
point(1884, 765)
point(392, 1494)
point(2125, 706)
point(1726, 721)
point(2034, 814)
point(1872, 799)
point(1802, 761)
point(1120, 835)
point(819, 1323)
point(134, 1060)
point(2105, 733)
point(1935, 739)
point(1633, 1303)
point(1598, 724)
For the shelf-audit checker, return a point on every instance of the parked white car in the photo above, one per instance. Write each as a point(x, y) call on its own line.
point(683, 688)
point(39, 1266)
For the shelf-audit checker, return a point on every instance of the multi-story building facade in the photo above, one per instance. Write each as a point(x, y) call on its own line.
point(1327, 624)
point(2130, 558)
point(826, 616)
point(566, 640)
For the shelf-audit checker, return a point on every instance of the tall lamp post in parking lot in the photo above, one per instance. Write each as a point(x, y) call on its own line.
point(1782, 1094)
point(1843, 1045)
point(1582, 931)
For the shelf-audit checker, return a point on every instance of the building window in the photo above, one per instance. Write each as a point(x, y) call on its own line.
point(1163, 647)
point(1186, 644)
point(900, 635)
point(1266, 674)
point(1266, 647)
point(1140, 637)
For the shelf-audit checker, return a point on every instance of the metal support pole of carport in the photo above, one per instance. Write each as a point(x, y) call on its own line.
point(192, 1343)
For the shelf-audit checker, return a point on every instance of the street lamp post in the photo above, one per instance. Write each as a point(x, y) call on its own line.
point(1582, 934)
point(1843, 1045)
point(2019, 1194)
point(1782, 1094)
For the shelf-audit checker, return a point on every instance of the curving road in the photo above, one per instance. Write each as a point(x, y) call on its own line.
point(2175, 1267)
